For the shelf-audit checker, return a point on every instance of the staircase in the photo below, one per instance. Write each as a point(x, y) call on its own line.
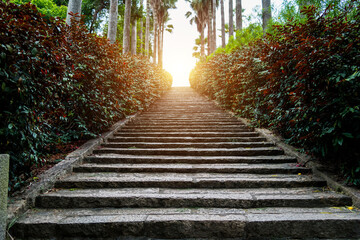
point(187, 169)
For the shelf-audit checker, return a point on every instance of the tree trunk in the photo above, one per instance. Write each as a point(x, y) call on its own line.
point(113, 19)
point(238, 15)
point(141, 24)
point(147, 30)
point(159, 45)
point(74, 7)
point(214, 26)
point(266, 14)
point(126, 33)
point(202, 47)
point(231, 19)
point(222, 24)
point(155, 40)
point(133, 38)
point(210, 38)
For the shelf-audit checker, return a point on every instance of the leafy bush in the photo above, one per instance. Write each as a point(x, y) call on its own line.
point(303, 80)
point(60, 84)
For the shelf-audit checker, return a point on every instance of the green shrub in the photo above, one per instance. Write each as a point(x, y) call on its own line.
point(302, 80)
point(60, 84)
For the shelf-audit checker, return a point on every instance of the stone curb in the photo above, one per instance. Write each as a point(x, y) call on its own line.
point(302, 158)
point(26, 200)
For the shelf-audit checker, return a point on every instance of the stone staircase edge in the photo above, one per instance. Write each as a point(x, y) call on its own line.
point(302, 158)
point(18, 205)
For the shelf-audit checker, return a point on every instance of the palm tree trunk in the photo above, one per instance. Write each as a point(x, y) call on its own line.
point(238, 15)
point(266, 14)
point(126, 33)
point(141, 24)
point(155, 40)
point(231, 18)
point(202, 50)
point(222, 24)
point(133, 38)
point(159, 45)
point(210, 38)
point(214, 26)
point(74, 7)
point(113, 21)
point(147, 27)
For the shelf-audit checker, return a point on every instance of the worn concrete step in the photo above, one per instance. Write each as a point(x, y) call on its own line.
point(186, 139)
point(180, 223)
point(179, 198)
point(183, 123)
point(282, 168)
point(187, 180)
point(177, 126)
point(181, 130)
point(188, 134)
point(119, 158)
point(188, 121)
point(188, 145)
point(261, 151)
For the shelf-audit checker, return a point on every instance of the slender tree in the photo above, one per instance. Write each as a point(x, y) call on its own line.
point(231, 18)
point(127, 22)
point(147, 27)
point(133, 38)
point(210, 24)
point(200, 9)
point(266, 14)
point(113, 20)
point(141, 24)
point(74, 7)
point(214, 26)
point(222, 24)
point(238, 15)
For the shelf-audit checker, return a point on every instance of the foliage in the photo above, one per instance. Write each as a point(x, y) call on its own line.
point(60, 84)
point(47, 7)
point(303, 80)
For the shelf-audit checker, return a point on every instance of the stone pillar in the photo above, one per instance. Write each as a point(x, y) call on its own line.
point(4, 182)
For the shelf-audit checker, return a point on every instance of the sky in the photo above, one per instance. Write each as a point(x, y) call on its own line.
point(178, 45)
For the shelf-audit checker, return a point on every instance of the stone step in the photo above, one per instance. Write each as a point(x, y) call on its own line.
point(188, 134)
point(186, 139)
point(284, 168)
point(187, 180)
point(167, 223)
point(177, 126)
point(181, 130)
point(119, 158)
point(188, 145)
point(180, 198)
point(185, 123)
point(261, 151)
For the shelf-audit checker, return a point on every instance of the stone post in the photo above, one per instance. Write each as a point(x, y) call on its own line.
point(4, 181)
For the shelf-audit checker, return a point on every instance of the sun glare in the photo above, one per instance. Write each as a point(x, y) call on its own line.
point(180, 69)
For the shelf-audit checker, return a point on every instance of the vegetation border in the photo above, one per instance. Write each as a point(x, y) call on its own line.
point(18, 205)
point(303, 159)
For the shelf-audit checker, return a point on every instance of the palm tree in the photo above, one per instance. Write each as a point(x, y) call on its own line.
point(266, 14)
point(74, 7)
point(231, 18)
point(147, 27)
point(238, 15)
point(141, 24)
point(222, 24)
point(133, 37)
point(200, 8)
point(113, 19)
point(214, 5)
point(126, 33)
point(209, 25)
